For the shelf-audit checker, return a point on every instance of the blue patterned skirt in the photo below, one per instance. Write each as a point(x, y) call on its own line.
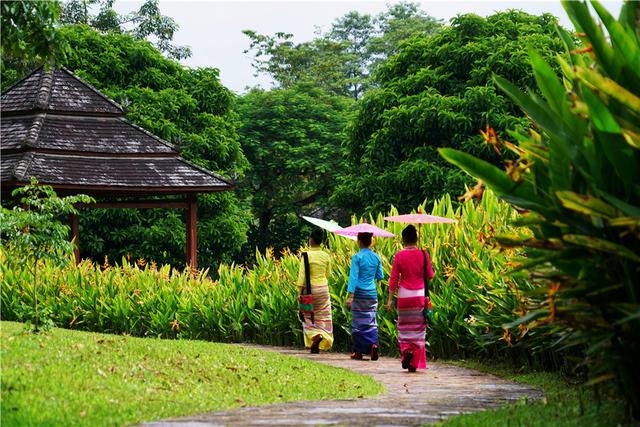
point(364, 324)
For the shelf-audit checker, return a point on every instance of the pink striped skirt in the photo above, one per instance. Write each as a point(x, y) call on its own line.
point(412, 328)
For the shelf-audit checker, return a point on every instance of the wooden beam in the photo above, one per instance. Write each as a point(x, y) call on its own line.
point(192, 233)
point(141, 204)
point(74, 222)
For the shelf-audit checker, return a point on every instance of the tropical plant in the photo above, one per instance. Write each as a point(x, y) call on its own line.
point(32, 232)
point(185, 106)
point(472, 295)
point(293, 140)
point(577, 173)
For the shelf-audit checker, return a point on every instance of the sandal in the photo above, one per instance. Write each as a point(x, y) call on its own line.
point(406, 360)
point(374, 352)
point(356, 356)
point(315, 347)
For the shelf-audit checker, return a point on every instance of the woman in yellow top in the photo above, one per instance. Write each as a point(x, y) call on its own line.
point(318, 331)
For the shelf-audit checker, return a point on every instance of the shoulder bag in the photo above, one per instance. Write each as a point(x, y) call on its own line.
point(427, 310)
point(305, 299)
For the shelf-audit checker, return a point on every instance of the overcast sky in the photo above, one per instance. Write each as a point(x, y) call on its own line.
point(213, 29)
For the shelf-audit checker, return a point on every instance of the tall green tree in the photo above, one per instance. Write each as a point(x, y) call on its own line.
point(342, 60)
point(437, 92)
point(577, 175)
point(145, 23)
point(320, 62)
point(399, 23)
point(293, 141)
point(28, 36)
point(188, 107)
point(354, 30)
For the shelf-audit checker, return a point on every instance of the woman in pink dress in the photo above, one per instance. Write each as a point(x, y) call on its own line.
point(408, 277)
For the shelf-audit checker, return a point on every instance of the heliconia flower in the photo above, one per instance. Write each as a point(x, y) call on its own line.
point(491, 137)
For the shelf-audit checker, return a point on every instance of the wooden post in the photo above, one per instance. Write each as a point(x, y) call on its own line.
point(192, 233)
point(75, 235)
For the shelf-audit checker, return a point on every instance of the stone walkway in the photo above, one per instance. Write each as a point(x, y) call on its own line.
point(412, 399)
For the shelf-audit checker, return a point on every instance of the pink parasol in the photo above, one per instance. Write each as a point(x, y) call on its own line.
point(420, 218)
point(364, 228)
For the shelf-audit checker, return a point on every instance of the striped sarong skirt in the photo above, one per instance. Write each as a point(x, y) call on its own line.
point(364, 324)
point(412, 327)
point(322, 323)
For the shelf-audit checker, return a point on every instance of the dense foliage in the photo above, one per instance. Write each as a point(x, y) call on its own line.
point(293, 141)
point(188, 107)
point(342, 60)
point(145, 23)
point(32, 232)
point(577, 174)
point(471, 294)
point(28, 34)
point(437, 92)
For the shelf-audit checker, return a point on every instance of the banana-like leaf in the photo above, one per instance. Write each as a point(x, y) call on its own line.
point(530, 218)
point(621, 40)
point(495, 178)
point(581, 17)
point(539, 113)
point(620, 204)
point(597, 81)
point(631, 138)
point(600, 115)
point(549, 84)
point(528, 318)
point(625, 221)
point(586, 204)
point(601, 245)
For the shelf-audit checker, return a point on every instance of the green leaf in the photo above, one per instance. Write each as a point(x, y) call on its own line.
point(610, 87)
point(527, 318)
point(521, 194)
point(623, 43)
point(490, 174)
point(625, 221)
point(599, 114)
point(587, 205)
point(601, 245)
point(538, 113)
point(549, 84)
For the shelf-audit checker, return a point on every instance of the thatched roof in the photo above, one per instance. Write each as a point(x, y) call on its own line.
point(65, 133)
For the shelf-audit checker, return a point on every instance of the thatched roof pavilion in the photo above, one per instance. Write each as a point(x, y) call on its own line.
point(67, 134)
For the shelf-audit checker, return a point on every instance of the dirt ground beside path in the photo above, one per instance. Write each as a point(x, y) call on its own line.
point(411, 399)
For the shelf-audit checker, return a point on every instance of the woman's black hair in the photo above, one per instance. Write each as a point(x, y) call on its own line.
point(365, 239)
point(410, 235)
point(317, 235)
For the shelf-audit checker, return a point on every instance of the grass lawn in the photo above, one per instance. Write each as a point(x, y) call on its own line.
point(70, 378)
point(563, 404)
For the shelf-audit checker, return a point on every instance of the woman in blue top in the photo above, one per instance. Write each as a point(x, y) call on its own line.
point(366, 268)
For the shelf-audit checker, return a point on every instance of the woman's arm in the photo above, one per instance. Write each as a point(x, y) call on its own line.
point(430, 272)
point(301, 277)
point(354, 274)
point(393, 282)
point(379, 271)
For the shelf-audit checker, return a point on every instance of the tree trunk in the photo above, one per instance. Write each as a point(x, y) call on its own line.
point(35, 293)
